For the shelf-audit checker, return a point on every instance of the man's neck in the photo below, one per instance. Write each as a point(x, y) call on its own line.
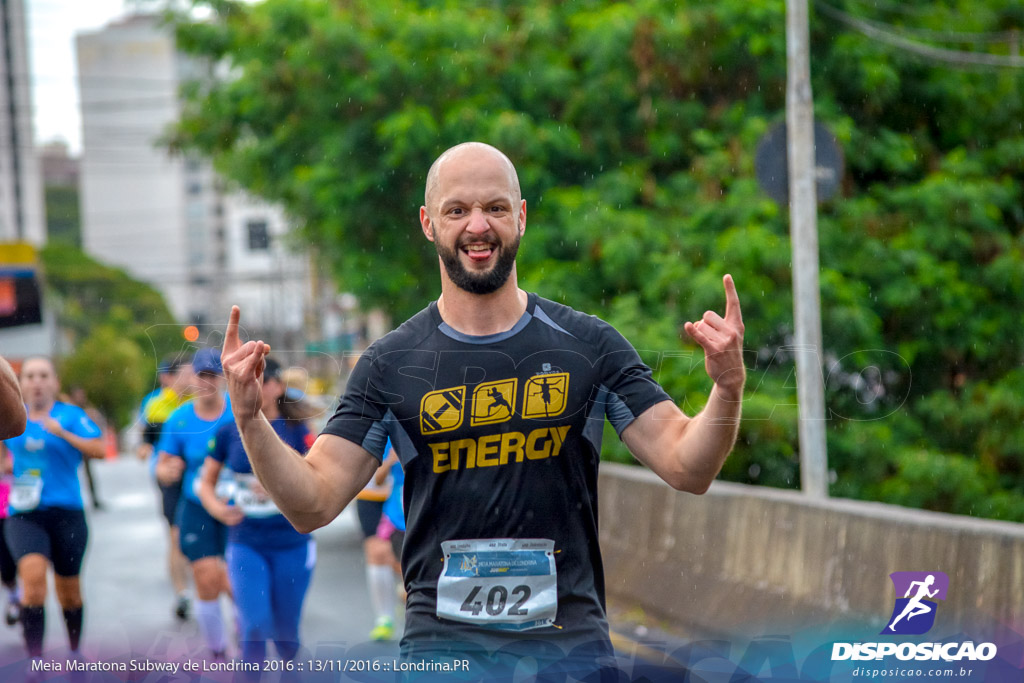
point(209, 407)
point(481, 314)
point(41, 410)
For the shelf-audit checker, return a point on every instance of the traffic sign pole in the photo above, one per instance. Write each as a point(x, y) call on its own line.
point(804, 237)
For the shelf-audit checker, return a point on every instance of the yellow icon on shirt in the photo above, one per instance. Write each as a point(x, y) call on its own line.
point(441, 410)
point(545, 395)
point(492, 402)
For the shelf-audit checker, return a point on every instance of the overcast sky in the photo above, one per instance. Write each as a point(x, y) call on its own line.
point(52, 25)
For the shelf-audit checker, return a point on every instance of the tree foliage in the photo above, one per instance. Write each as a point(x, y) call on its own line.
point(634, 126)
point(63, 217)
point(111, 369)
point(118, 327)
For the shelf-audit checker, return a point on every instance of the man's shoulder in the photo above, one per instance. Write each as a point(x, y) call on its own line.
point(583, 326)
point(149, 397)
point(61, 409)
point(183, 413)
point(227, 429)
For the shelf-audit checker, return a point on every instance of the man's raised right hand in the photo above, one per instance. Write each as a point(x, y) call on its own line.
point(243, 369)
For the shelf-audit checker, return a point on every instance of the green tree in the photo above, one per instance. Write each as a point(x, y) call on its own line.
point(111, 369)
point(63, 219)
point(634, 126)
point(121, 325)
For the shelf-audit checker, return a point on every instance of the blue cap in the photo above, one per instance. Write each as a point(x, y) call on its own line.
point(171, 364)
point(271, 369)
point(207, 360)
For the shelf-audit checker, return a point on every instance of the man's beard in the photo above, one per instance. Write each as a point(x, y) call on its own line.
point(479, 283)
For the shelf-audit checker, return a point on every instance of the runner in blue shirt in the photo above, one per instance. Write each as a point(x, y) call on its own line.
point(269, 563)
point(175, 376)
point(185, 441)
point(381, 563)
point(47, 524)
point(394, 508)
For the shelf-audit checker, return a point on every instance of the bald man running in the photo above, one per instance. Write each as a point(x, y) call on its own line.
point(501, 555)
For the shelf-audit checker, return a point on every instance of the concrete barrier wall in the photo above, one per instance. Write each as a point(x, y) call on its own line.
point(750, 559)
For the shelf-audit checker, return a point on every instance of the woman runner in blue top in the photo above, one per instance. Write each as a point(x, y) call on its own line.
point(185, 441)
point(47, 524)
point(269, 563)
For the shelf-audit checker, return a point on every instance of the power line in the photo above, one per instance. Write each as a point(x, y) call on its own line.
point(890, 34)
point(973, 37)
point(899, 8)
point(982, 38)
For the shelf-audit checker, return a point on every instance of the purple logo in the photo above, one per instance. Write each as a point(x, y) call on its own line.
point(916, 595)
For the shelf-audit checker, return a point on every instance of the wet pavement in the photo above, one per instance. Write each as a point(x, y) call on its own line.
point(131, 631)
point(128, 599)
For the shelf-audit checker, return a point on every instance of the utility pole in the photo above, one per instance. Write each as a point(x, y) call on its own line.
point(803, 217)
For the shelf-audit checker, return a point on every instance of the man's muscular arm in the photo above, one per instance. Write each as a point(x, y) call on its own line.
point(12, 408)
point(311, 491)
point(688, 453)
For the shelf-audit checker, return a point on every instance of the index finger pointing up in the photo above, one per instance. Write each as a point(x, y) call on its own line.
point(231, 342)
point(732, 301)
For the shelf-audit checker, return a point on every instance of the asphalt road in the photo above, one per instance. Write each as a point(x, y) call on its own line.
point(128, 598)
point(128, 603)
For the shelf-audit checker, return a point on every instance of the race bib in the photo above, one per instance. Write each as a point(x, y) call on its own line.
point(25, 492)
point(252, 504)
point(500, 583)
point(226, 485)
point(224, 489)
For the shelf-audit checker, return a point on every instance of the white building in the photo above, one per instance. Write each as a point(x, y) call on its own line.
point(21, 196)
point(168, 220)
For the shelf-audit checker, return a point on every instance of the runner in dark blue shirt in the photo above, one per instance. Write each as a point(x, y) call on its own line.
point(269, 563)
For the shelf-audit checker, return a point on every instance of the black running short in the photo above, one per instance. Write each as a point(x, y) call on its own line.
point(369, 512)
point(199, 534)
point(56, 533)
point(169, 497)
point(8, 569)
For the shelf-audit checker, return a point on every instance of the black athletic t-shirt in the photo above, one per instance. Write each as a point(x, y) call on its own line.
point(500, 438)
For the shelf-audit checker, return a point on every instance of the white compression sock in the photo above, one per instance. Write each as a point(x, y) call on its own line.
point(381, 580)
point(211, 624)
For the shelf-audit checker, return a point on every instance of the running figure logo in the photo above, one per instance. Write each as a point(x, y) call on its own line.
point(914, 613)
point(545, 395)
point(492, 402)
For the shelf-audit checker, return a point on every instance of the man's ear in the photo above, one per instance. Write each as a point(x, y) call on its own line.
point(425, 224)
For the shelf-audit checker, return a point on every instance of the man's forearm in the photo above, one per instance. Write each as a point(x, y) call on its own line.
point(710, 436)
point(292, 483)
point(91, 448)
point(12, 408)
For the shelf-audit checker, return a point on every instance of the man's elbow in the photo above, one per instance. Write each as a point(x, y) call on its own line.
point(305, 528)
point(697, 488)
point(687, 482)
point(14, 422)
point(307, 524)
point(15, 427)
